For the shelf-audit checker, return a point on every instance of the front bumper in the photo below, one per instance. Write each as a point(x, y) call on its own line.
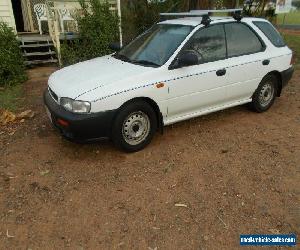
point(81, 127)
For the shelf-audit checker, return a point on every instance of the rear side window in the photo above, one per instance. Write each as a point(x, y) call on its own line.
point(271, 33)
point(241, 40)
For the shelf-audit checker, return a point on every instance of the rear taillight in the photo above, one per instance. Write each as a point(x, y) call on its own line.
point(293, 59)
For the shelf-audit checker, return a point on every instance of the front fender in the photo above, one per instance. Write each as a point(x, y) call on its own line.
point(112, 101)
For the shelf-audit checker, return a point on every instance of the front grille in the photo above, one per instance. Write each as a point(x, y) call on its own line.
point(54, 96)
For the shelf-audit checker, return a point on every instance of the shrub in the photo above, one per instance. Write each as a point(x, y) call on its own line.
point(70, 52)
point(137, 17)
point(12, 69)
point(98, 27)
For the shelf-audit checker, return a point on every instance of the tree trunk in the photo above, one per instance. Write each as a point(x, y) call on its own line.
point(203, 4)
point(196, 4)
point(263, 5)
point(230, 4)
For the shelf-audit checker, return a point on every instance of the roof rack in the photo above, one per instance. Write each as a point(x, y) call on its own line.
point(237, 14)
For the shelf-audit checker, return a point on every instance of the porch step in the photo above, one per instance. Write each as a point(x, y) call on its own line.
point(36, 62)
point(37, 49)
point(39, 53)
point(36, 45)
point(34, 38)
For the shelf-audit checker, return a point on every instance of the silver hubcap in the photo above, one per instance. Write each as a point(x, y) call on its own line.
point(266, 94)
point(136, 128)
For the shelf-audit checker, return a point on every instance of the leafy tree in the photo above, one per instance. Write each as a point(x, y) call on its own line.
point(296, 3)
point(137, 16)
point(255, 8)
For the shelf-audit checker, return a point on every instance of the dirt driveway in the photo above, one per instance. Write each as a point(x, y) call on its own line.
point(236, 171)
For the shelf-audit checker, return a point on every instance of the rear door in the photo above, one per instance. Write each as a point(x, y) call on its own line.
point(247, 61)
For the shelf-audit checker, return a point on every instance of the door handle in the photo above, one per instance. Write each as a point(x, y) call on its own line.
point(266, 62)
point(221, 72)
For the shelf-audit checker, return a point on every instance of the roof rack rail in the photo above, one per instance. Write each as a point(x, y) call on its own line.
point(237, 14)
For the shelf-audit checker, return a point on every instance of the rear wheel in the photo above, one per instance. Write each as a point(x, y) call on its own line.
point(134, 126)
point(265, 94)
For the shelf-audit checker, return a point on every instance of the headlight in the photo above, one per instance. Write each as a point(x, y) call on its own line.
point(81, 107)
point(75, 106)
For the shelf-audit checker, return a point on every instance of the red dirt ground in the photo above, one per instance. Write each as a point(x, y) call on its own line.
point(237, 171)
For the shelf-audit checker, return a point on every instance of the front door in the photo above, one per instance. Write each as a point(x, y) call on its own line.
point(23, 15)
point(203, 86)
point(18, 14)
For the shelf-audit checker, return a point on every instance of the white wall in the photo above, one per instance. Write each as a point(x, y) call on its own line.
point(6, 13)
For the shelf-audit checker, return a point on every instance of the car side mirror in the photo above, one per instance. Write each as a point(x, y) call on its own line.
point(115, 46)
point(187, 58)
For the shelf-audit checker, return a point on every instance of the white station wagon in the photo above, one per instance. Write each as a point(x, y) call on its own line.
point(179, 69)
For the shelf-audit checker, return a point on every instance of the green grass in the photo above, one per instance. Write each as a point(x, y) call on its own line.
point(290, 18)
point(293, 41)
point(11, 97)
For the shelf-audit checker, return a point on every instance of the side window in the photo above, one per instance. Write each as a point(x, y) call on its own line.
point(271, 33)
point(241, 40)
point(208, 44)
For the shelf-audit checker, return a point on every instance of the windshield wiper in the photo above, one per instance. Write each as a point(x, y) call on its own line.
point(122, 57)
point(145, 62)
point(142, 62)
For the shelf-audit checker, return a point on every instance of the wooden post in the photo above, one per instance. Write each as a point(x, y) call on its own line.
point(30, 16)
point(283, 20)
point(120, 21)
point(57, 35)
point(53, 24)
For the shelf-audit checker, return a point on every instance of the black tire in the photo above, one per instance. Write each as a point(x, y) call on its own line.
point(125, 119)
point(265, 94)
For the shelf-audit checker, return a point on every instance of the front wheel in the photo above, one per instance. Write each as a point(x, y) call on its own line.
point(134, 126)
point(265, 94)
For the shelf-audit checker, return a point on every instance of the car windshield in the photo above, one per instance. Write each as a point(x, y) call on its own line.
point(155, 46)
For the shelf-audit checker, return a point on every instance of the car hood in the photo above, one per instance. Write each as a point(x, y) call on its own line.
point(78, 79)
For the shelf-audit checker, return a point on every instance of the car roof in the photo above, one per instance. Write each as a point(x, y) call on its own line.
point(195, 21)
